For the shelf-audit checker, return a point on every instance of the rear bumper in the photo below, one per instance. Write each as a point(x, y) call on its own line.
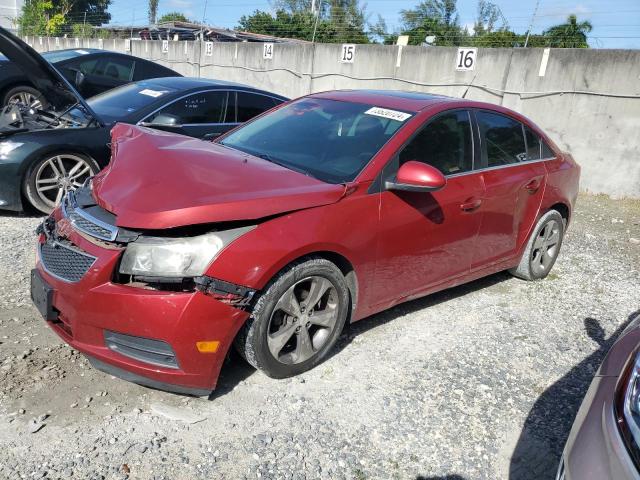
point(595, 450)
point(94, 305)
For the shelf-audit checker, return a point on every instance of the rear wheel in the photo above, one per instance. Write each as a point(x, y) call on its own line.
point(542, 248)
point(25, 95)
point(54, 175)
point(297, 320)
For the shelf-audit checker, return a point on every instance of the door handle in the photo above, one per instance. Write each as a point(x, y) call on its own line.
point(470, 205)
point(533, 186)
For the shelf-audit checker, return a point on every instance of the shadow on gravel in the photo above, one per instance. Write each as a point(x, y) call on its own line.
point(25, 214)
point(366, 324)
point(234, 371)
point(547, 426)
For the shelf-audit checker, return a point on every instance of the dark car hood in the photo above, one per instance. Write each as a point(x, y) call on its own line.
point(159, 180)
point(55, 88)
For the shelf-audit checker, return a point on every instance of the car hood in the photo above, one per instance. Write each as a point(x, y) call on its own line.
point(55, 88)
point(160, 180)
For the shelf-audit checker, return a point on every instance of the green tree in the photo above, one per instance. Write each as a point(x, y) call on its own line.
point(153, 11)
point(34, 17)
point(337, 21)
point(569, 35)
point(82, 30)
point(173, 17)
point(437, 18)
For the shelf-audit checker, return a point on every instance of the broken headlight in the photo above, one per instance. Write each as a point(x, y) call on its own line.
point(176, 257)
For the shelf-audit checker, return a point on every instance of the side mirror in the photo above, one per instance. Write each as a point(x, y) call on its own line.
point(79, 78)
point(163, 120)
point(416, 176)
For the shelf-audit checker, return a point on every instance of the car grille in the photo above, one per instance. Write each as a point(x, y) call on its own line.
point(67, 263)
point(85, 222)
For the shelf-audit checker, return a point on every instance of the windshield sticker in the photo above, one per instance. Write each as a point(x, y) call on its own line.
point(386, 113)
point(82, 52)
point(152, 93)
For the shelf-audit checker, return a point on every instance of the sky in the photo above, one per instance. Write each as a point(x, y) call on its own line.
point(616, 22)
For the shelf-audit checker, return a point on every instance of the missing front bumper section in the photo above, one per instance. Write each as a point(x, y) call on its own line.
point(226, 292)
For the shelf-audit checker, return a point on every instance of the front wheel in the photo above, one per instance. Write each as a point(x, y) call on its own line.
point(54, 175)
point(25, 95)
point(297, 320)
point(542, 248)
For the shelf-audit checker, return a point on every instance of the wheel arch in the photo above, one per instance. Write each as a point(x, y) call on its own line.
point(37, 155)
point(338, 259)
point(563, 209)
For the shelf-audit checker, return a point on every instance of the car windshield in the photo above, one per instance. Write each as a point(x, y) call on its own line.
point(328, 139)
point(117, 104)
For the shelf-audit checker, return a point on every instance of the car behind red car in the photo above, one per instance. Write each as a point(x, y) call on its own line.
point(327, 209)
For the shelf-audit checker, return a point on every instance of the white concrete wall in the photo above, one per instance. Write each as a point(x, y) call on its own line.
point(587, 100)
point(9, 11)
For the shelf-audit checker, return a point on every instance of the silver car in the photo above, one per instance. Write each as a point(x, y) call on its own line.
point(604, 442)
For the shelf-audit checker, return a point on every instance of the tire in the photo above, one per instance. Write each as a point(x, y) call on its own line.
point(274, 341)
point(542, 248)
point(45, 183)
point(25, 94)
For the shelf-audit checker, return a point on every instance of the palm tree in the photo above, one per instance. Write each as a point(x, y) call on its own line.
point(570, 34)
point(153, 11)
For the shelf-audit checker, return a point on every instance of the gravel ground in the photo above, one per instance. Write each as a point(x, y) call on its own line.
point(478, 382)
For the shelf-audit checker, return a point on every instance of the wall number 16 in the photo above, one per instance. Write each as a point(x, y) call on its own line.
point(466, 59)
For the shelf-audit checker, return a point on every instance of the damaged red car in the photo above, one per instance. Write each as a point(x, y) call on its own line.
point(323, 211)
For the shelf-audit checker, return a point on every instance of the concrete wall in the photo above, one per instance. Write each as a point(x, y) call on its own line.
point(9, 11)
point(588, 101)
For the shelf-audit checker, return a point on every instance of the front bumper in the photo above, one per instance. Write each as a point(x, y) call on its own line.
point(595, 449)
point(10, 183)
point(88, 308)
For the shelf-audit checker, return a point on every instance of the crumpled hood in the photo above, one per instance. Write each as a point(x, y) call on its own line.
point(159, 180)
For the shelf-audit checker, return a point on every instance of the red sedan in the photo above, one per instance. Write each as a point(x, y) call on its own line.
point(325, 210)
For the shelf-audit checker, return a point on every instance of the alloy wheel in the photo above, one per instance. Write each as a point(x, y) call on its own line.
point(545, 247)
point(302, 320)
point(26, 98)
point(59, 174)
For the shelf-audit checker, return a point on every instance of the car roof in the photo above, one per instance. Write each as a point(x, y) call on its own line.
point(186, 83)
point(398, 99)
point(90, 50)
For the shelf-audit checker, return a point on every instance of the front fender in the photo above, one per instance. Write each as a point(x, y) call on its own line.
point(346, 228)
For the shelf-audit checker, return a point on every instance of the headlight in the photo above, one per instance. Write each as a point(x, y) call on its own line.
point(628, 408)
point(7, 147)
point(176, 257)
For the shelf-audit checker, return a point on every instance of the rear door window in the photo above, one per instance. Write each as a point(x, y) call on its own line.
point(115, 68)
point(250, 104)
point(199, 108)
point(547, 152)
point(534, 150)
point(444, 143)
point(503, 139)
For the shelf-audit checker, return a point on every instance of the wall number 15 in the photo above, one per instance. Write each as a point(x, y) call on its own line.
point(348, 53)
